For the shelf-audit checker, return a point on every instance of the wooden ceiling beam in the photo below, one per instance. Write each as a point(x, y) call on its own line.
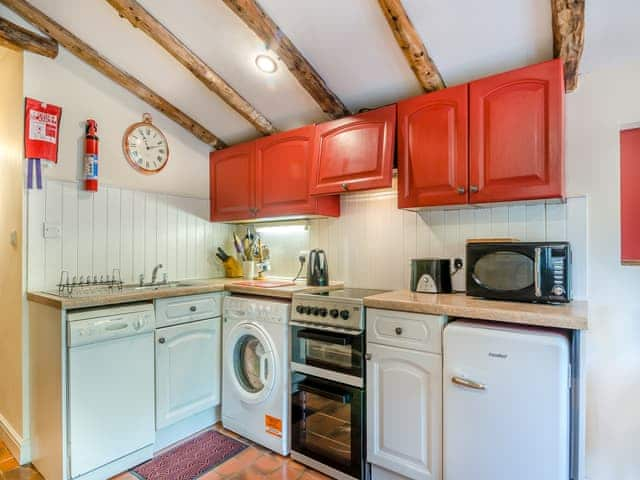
point(412, 46)
point(90, 56)
point(140, 18)
point(266, 29)
point(15, 37)
point(567, 19)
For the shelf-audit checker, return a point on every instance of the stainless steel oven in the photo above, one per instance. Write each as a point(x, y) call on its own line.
point(328, 411)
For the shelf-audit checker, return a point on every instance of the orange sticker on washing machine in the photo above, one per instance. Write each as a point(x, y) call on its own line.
point(273, 425)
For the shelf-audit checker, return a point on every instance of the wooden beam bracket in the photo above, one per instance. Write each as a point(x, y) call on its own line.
point(15, 37)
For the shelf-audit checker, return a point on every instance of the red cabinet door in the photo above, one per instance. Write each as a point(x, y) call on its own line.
point(283, 164)
point(432, 149)
point(354, 153)
point(232, 183)
point(630, 196)
point(517, 135)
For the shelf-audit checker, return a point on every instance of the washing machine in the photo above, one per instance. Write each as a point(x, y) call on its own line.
point(255, 376)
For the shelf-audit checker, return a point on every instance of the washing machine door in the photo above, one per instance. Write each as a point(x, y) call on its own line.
point(251, 362)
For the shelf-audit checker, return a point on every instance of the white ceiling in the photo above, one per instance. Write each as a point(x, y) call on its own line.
point(347, 41)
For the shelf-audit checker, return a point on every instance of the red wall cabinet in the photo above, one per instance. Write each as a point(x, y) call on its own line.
point(232, 183)
point(283, 167)
point(630, 196)
point(432, 149)
point(515, 138)
point(268, 177)
point(517, 135)
point(354, 153)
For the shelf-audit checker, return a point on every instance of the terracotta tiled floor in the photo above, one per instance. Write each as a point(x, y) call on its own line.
point(254, 463)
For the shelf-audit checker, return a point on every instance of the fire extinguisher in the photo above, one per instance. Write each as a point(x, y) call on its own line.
point(91, 157)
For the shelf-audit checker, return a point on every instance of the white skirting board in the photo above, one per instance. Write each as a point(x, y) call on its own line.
point(16, 444)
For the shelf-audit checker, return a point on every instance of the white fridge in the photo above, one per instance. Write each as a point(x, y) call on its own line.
point(506, 402)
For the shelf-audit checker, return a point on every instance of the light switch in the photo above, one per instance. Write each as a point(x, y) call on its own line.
point(52, 230)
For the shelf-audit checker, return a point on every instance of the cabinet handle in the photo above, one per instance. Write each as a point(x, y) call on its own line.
point(193, 308)
point(367, 356)
point(162, 340)
point(398, 330)
point(345, 187)
point(463, 382)
point(474, 189)
point(461, 190)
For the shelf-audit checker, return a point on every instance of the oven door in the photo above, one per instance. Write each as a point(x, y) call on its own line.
point(328, 353)
point(327, 423)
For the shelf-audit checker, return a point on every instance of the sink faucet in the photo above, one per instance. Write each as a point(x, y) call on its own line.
point(154, 274)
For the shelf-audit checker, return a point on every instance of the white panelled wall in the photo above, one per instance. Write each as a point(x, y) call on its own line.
point(371, 244)
point(119, 228)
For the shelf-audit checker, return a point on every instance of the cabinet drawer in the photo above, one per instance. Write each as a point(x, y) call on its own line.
point(173, 311)
point(407, 330)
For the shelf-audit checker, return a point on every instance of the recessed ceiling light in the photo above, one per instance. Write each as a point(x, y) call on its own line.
point(266, 63)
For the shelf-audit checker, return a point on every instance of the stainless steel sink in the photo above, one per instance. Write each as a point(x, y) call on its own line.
point(160, 286)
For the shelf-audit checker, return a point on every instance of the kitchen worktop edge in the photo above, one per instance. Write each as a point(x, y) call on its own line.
point(573, 316)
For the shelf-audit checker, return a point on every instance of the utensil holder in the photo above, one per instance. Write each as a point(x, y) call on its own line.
point(232, 268)
point(249, 269)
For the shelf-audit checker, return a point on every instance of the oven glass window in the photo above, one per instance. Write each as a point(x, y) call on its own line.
point(327, 422)
point(249, 353)
point(504, 271)
point(340, 352)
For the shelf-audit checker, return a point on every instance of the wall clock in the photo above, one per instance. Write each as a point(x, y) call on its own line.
point(145, 146)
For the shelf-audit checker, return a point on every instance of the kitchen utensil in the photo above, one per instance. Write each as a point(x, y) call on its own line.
point(431, 275)
point(317, 268)
point(238, 246)
point(222, 254)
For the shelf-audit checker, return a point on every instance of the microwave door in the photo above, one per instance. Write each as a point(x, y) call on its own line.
point(508, 273)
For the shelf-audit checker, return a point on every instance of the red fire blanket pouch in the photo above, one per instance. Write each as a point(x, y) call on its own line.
point(41, 135)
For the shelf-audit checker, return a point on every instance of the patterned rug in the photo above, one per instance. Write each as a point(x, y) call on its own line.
point(191, 459)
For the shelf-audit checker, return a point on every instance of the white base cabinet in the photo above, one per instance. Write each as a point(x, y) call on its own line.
point(188, 370)
point(404, 396)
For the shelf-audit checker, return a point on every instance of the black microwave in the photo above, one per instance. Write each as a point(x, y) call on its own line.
point(520, 271)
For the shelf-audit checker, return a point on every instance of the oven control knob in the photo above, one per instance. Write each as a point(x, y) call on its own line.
point(344, 314)
point(300, 309)
point(557, 290)
point(315, 311)
point(323, 312)
point(334, 313)
point(307, 310)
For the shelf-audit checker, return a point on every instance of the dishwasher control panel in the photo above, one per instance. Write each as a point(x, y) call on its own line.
point(109, 323)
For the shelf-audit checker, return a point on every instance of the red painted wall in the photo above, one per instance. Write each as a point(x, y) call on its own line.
point(630, 195)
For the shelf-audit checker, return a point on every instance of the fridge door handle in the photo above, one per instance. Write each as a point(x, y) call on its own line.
point(464, 382)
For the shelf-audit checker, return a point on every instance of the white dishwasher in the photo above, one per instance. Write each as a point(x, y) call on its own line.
point(111, 386)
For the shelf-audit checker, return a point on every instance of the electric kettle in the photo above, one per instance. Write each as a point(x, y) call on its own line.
point(317, 269)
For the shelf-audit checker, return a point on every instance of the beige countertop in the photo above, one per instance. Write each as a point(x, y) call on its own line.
point(569, 316)
point(191, 287)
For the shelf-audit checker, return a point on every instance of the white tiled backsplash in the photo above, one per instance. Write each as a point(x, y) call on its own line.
point(371, 244)
point(118, 228)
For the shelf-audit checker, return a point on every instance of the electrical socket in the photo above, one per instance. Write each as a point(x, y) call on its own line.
point(52, 230)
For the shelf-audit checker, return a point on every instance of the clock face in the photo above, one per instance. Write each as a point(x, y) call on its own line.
point(146, 147)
